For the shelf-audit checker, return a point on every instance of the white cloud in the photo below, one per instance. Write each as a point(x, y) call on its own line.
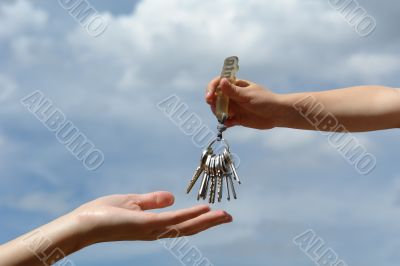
point(242, 135)
point(53, 203)
point(374, 67)
point(28, 50)
point(7, 88)
point(178, 46)
point(288, 139)
point(18, 16)
point(164, 41)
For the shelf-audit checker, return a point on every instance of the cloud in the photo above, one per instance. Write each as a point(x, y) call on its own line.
point(28, 50)
point(372, 67)
point(20, 16)
point(40, 202)
point(178, 46)
point(286, 139)
point(7, 88)
point(109, 87)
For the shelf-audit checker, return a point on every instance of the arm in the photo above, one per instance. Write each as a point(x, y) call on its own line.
point(363, 108)
point(112, 218)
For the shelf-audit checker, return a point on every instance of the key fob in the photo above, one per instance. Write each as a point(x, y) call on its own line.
point(229, 71)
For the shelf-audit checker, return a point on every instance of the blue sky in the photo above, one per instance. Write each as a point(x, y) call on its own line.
point(109, 87)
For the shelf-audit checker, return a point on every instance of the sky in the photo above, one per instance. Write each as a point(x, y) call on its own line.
point(110, 85)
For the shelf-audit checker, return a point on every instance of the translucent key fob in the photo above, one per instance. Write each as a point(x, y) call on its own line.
point(229, 70)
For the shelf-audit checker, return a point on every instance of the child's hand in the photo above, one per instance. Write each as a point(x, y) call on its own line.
point(250, 104)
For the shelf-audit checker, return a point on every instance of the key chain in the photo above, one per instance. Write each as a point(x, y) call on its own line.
point(218, 169)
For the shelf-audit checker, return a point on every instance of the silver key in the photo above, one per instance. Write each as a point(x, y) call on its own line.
point(219, 177)
point(229, 177)
point(231, 165)
point(204, 183)
point(227, 188)
point(225, 174)
point(198, 171)
point(208, 181)
point(202, 186)
point(212, 180)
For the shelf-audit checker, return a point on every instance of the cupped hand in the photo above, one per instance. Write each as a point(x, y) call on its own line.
point(126, 217)
point(250, 104)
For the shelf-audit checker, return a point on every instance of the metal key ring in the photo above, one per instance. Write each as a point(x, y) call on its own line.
point(224, 141)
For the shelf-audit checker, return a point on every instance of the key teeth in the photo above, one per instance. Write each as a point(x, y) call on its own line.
point(188, 189)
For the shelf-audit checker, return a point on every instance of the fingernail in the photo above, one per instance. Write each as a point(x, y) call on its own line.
point(228, 219)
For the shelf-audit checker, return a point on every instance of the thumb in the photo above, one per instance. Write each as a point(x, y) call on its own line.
point(234, 92)
point(155, 200)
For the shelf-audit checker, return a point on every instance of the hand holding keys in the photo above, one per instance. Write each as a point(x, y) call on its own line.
point(215, 168)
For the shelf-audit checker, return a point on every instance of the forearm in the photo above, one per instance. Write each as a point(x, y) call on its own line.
point(43, 246)
point(363, 108)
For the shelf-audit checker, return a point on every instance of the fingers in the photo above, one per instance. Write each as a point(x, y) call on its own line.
point(238, 93)
point(235, 92)
point(154, 200)
point(196, 225)
point(231, 122)
point(210, 93)
point(203, 222)
point(176, 217)
point(243, 83)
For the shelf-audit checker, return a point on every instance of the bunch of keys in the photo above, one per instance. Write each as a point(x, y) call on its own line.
point(218, 169)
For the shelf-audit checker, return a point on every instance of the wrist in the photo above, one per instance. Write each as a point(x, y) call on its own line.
point(47, 244)
point(80, 231)
point(68, 234)
point(64, 233)
point(290, 116)
point(282, 110)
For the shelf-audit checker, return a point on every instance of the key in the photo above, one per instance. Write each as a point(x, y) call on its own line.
point(215, 182)
point(198, 171)
point(227, 188)
point(232, 186)
point(212, 180)
point(215, 178)
point(208, 183)
point(219, 177)
point(231, 165)
point(225, 173)
point(229, 178)
point(204, 183)
point(202, 186)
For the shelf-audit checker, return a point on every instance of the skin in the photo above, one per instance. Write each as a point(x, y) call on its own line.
point(110, 218)
point(358, 109)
